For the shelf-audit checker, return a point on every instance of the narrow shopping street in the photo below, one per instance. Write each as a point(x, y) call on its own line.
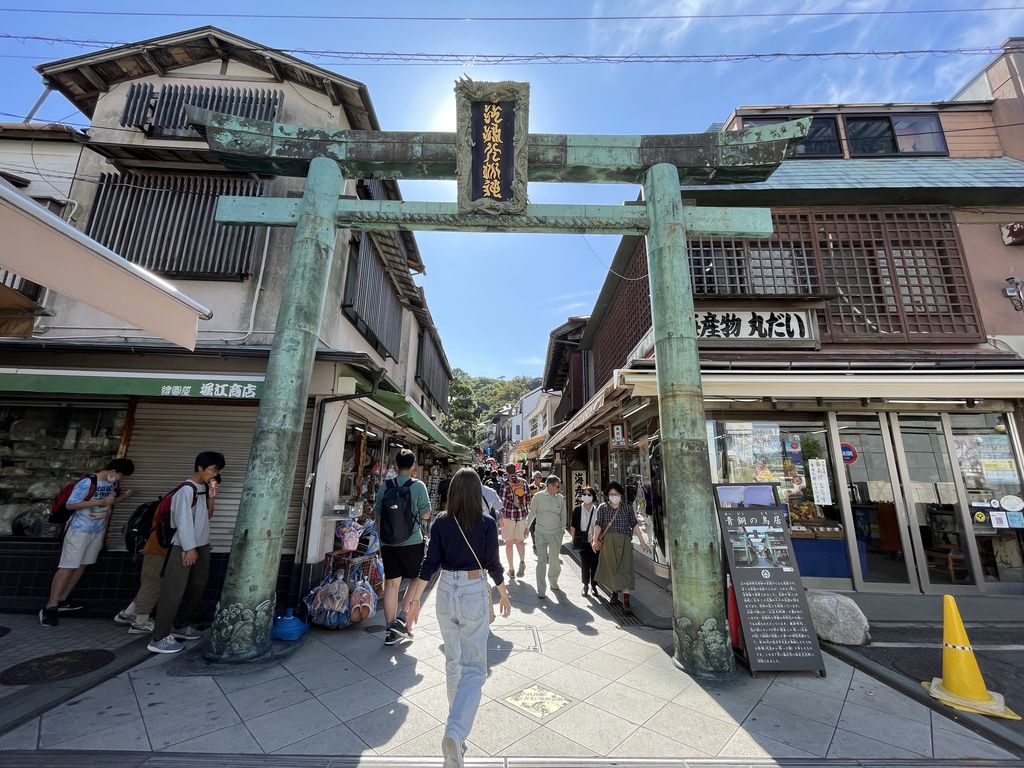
point(566, 680)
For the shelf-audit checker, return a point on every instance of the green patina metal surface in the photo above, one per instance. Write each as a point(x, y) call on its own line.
point(660, 163)
point(245, 612)
point(702, 158)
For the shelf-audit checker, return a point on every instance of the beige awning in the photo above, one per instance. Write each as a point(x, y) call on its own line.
point(47, 250)
point(17, 313)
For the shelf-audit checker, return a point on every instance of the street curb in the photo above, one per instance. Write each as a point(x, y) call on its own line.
point(997, 734)
point(22, 707)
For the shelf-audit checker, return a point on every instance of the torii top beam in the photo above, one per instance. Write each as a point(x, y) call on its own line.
point(265, 147)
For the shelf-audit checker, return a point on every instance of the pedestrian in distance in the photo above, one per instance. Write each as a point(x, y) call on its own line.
point(402, 507)
point(584, 517)
point(547, 509)
point(517, 503)
point(186, 567)
point(613, 540)
point(138, 615)
point(90, 503)
point(464, 547)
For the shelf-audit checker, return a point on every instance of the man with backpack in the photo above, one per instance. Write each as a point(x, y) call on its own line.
point(85, 506)
point(401, 506)
point(182, 525)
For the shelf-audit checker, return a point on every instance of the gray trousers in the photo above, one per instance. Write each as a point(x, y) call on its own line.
point(549, 545)
point(181, 590)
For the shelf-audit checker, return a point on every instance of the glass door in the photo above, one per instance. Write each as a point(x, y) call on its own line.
point(880, 527)
point(939, 525)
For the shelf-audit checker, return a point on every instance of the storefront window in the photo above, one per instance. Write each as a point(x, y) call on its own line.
point(991, 475)
point(792, 454)
point(42, 448)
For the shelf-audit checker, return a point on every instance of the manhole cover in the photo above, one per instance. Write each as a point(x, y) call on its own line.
point(57, 666)
point(537, 701)
point(4, 631)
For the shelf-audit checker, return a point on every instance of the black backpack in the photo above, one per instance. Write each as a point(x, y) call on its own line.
point(397, 521)
point(140, 526)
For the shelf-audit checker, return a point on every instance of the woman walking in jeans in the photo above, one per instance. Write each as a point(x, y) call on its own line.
point(464, 545)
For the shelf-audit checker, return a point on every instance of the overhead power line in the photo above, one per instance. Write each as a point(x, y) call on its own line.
point(497, 59)
point(542, 19)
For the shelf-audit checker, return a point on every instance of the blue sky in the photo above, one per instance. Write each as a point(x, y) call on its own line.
point(496, 297)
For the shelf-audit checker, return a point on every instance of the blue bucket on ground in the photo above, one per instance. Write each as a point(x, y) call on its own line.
point(288, 627)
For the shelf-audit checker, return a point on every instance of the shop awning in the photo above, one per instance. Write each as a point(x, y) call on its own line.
point(139, 383)
point(529, 448)
point(45, 249)
point(409, 413)
point(596, 407)
point(17, 313)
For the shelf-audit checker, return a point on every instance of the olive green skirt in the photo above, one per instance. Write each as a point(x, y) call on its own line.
point(615, 568)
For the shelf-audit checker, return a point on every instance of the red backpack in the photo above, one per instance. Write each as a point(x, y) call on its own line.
point(59, 512)
point(162, 523)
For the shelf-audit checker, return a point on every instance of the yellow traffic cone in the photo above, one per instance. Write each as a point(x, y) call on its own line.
point(961, 685)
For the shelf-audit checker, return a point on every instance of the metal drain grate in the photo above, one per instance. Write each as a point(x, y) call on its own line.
point(57, 666)
point(624, 619)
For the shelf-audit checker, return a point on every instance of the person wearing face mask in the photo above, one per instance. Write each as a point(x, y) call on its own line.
point(613, 539)
point(584, 516)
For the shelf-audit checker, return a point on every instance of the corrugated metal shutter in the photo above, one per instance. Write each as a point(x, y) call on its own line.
point(164, 443)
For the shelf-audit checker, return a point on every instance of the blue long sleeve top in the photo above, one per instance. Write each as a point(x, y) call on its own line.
point(448, 550)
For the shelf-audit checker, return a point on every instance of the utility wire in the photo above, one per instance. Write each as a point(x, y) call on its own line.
point(498, 59)
point(542, 19)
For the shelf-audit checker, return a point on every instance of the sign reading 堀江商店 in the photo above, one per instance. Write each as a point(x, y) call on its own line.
point(492, 123)
point(735, 327)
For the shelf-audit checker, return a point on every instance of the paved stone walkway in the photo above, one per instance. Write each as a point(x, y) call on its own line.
point(565, 680)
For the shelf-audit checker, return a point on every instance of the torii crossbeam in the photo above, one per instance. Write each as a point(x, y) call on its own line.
point(327, 157)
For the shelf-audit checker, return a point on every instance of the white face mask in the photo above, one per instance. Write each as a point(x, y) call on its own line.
point(614, 499)
point(587, 499)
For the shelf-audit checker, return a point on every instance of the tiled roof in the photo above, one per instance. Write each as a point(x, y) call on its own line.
point(937, 175)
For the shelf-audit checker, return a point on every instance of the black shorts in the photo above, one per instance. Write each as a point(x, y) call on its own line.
point(402, 562)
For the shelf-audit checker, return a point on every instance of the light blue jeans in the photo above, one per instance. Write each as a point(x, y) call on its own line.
point(463, 617)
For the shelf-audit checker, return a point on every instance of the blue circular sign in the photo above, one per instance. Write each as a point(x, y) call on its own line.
point(849, 453)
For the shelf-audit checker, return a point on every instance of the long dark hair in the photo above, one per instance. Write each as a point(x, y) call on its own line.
point(465, 499)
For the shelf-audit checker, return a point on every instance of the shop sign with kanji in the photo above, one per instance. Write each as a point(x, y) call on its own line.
point(492, 123)
point(745, 327)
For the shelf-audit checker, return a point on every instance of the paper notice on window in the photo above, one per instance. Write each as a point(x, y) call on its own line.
point(818, 469)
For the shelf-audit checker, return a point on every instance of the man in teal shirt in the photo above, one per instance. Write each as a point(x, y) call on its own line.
point(402, 558)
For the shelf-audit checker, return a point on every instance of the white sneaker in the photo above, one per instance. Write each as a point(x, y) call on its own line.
point(141, 628)
point(187, 633)
point(167, 645)
point(124, 618)
point(452, 753)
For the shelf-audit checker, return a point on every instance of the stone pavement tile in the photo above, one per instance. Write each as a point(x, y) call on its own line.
point(628, 703)
point(282, 727)
point(180, 708)
point(340, 672)
point(544, 741)
point(572, 682)
point(357, 699)
point(646, 744)
point(564, 650)
point(384, 659)
point(235, 739)
point(411, 678)
point(633, 648)
point(872, 694)
point(237, 682)
point(502, 680)
point(591, 727)
point(943, 723)
point(606, 665)
point(392, 725)
point(425, 745)
point(266, 697)
point(498, 727)
point(886, 727)
point(129, 735)
point(590, 637)
point(709, 700)
point(748, 744)
point(337, 740)
point(707, 734)
point(790, 729)
point(312, 654)
point(822, 709)
point(23, 737)
point(555, 631)
point(835, 685)
point(532, 618)
point(106, 706)
point(434, 701)
point(946, 744)
point(533, 665)
point(846, 744)
point(7, 690)
point(665, 684)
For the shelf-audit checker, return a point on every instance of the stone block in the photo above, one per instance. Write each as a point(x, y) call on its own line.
point(837, 618)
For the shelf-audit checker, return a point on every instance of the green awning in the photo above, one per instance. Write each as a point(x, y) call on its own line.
point(140, 383)
point(407, 413)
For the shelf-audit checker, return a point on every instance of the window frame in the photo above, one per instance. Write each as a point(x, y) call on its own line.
point(895, 136)
point(804, 156)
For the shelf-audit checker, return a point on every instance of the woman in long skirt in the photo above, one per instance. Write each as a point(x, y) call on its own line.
point(613, 538)
point(464, 546)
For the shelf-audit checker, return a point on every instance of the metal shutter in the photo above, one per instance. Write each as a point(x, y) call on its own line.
point(164, 442)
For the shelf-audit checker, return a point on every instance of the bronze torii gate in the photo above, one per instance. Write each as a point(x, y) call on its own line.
point(245, 612)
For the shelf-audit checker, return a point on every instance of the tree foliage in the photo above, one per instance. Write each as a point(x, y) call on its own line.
point(474, 399)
